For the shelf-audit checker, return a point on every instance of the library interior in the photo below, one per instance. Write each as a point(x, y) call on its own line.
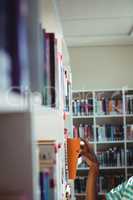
point(66, 100)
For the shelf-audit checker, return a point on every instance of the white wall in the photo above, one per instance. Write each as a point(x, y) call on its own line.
point(102, 67)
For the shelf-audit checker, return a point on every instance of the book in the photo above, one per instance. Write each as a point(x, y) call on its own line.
point(47, 84)
point(109, 132)
point(129, 104)
point(17, 44)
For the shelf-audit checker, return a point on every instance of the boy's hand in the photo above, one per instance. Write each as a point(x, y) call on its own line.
point(90, 157)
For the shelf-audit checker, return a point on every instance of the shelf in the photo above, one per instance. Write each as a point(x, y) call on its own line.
point(112, 168)
point(100, 116)
point(100, 90)
point(46, 164)
point(84, 194)
point(41, 109)
point(110, 142)
point(101, 193)
point(102, 168)
point(128, 115)
point(129, 141)
point(109, 119)
point(46, 142)
point(83, 168)
point(108, 116)
point(11, 103)
point(84, 116)
point(129, 167)
point(80, 194)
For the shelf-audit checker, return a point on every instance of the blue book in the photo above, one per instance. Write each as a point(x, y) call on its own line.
point(46, 186)
point(41, 182)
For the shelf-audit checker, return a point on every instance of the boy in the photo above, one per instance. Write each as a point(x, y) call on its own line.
point(121, 192)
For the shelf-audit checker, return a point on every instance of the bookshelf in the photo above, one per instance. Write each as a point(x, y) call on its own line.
point(104, 117)
point(26, 119)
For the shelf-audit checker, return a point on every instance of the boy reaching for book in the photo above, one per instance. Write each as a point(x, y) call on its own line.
point(121, 192)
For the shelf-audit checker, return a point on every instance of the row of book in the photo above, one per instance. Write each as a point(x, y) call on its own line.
point(103, 106)
point(105, 183)
point(109, 132)
point(104, 133)
point(112, 157)
point(84, 131)
point(107, 106)
point(82, 107)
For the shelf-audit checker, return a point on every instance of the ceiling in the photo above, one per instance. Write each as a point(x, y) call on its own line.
point(96, 22)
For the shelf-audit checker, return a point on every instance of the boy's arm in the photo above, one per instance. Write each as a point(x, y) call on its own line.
point(91, 160)
point(91, 187)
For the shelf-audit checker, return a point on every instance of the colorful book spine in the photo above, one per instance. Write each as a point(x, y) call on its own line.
point(84, 131)
point(109, 132)
point(107, 106)
point(111, 157)
point(82, 107)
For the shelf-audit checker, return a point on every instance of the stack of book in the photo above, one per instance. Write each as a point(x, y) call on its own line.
point(113, 157)
point(129, 104)
point(84, 131)
point(108, 106)
point(109, 132)
point(82, 107)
